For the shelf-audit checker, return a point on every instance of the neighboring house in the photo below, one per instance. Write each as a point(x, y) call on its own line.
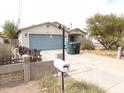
point(45, 36)
point(76, 35)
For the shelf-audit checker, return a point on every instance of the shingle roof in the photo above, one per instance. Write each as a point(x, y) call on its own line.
point(78, 30)
point(32, 26)
point(55, 24)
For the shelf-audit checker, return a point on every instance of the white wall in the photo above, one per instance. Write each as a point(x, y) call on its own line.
point(43, 29)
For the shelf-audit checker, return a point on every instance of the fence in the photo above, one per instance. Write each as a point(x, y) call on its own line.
point(11, 72)
point(9, 60)
point(25, 71)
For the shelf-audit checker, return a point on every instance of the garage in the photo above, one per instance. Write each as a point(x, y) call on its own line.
point(45, 42)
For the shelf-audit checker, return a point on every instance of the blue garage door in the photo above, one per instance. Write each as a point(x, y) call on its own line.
point(45, 42)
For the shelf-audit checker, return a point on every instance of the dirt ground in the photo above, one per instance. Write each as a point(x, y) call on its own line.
point(20, 87)
point(102, 52)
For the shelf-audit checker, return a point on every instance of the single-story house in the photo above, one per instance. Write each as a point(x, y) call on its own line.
point(76, 35)
point(47, 36)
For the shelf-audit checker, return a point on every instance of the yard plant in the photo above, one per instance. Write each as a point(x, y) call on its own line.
point(87, 44)
point(107, 29)
point(49, 83)
point(10, 29)
point(5, 53)
point(82, 87)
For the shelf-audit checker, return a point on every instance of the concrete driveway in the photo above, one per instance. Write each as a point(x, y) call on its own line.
point(105, 72)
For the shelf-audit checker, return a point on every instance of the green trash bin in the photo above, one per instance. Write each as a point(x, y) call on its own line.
point(77, 49)
point(73, 48)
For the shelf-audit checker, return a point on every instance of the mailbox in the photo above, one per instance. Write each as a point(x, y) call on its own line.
point(61, 65)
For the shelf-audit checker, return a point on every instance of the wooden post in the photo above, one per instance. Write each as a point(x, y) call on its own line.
point(119, 52)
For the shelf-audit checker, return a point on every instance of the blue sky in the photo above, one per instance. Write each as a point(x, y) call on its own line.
point(63, 11)
point(111, 1)
point(114, 1)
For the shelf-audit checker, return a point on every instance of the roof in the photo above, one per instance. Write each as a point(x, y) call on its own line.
point(55, 24)
point(37, 25)
point(75, 30)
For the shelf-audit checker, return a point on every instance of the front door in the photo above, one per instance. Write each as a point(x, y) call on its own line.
point(72, 38)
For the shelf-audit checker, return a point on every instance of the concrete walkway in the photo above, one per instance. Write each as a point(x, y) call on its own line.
point(105, 72)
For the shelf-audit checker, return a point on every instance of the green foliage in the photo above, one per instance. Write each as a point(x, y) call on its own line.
point(10, 29)
point(121, 43)
point(87, 44)
point(82, 87)
point(107, 29)
point(5, 51)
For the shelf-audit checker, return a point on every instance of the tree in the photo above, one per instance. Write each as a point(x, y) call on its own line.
point(10, 29)
point(107, 29)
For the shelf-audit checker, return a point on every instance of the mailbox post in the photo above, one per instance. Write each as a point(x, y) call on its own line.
point(63, 67)
point(63, 52)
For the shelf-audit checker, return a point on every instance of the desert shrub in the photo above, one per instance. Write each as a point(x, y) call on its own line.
point(82, 87)
point(49, 84)
point(87, 44)
point(5, 51)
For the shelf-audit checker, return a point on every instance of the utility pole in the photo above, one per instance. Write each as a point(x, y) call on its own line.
point(19, 15)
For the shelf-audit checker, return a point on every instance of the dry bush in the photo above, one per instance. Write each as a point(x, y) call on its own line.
point(48, 84)
point(82, 87)
point(103, 52)
point(5, 51)
point(87, 44)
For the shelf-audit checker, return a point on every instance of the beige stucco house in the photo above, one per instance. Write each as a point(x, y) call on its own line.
point(76, 34)
point(47, 36)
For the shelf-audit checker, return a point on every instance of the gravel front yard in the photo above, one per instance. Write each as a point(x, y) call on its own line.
point(20, 87)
